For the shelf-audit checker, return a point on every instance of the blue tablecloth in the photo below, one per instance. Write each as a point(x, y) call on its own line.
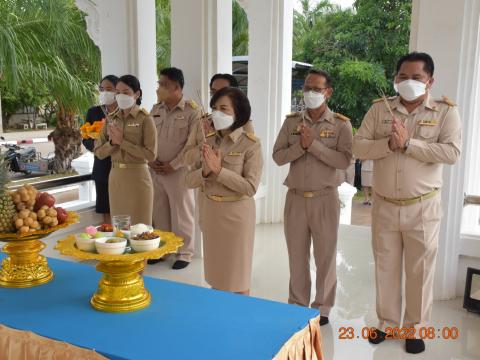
point(183, 321)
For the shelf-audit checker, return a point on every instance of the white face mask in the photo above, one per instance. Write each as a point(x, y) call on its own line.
point(221, 120)
point(313, 100)
point(125, 101)
point(106, 97)
point(410, 89)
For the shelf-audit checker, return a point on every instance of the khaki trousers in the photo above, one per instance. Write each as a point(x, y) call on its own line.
point(306, 219)
point(407, 233)
point(174, 209)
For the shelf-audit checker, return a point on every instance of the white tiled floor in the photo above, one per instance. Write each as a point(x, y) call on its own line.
point(355, 304)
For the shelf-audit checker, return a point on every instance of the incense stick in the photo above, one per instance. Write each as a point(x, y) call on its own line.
point(202, 109)
point(385, 101)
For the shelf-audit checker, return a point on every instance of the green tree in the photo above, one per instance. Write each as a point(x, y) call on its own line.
point(44, 45)
point(239, 30)
point(163, 30)
point(359, 47)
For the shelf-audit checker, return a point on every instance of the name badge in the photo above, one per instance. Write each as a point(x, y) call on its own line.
point(387, 121)
point(235, 154)
point(327, 134)
point(180, 117)
point(295, 133)
point(133, 125)
point(428, 122)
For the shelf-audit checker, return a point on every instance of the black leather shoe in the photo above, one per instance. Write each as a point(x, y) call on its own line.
point(414, 346)
point(323, 320)
point(154, 261)
point(377, 337)
point(180, 264)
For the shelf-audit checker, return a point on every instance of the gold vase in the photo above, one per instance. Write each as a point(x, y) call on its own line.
point(24, 267)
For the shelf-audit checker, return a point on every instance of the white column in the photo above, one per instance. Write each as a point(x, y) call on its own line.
point(201, 42)
point(450, 35)
point(269, 89)
point(125, 32)
point(201, 47)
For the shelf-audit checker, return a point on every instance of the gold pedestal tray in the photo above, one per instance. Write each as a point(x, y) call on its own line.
point(121, 288)
point(25, 267)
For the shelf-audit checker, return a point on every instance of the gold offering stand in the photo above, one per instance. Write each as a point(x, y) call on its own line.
point(25, 267)
point(121, 288)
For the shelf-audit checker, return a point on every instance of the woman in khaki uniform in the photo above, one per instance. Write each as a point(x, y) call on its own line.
point(130, 138)
point(229, 173)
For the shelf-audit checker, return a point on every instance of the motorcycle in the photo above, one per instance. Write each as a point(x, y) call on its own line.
point(26, 160)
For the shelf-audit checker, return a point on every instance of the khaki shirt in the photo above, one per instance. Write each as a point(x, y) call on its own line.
point(173, 129)
point(315, 168)
point(195, 140)
point(241, 166)
point(435, 132)
point(139, 143)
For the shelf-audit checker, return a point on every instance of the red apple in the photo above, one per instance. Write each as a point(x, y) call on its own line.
point(61, 215)
point(44, 198)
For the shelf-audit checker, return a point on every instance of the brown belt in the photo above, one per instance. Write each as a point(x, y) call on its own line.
point(312, 194)
point(411, 201)
point(227, 198)
point(117, 165)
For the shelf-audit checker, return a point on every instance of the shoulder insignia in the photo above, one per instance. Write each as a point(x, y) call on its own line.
point(143, 110)
point(341, 117)
point(381, 99)
point(251, 136)
point(293, 114)
point(211, 134)
point(447, 101)
point(192, 104)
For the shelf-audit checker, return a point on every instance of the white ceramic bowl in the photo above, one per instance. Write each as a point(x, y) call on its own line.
point(145, 245)
point(110, 248)
point(85, 244)
point(134, 232)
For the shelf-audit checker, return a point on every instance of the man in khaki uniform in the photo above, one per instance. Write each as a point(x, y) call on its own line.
point(409, 137)
point(173, 208)
point(315, 142)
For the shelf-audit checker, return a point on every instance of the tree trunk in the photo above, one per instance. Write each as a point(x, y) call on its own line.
point(67, 140)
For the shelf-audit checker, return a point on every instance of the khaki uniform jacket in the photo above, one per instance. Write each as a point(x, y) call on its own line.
point(195, 140)
point(173, 129)
point(139, 143)
point(241, 166)
point(315, 168)
point(435, 139)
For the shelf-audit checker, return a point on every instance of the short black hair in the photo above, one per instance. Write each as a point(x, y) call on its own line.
point(174, 74)
point(241, 105)
point(428, 65)
point(323, 73)
point(232, 80)
point(112, 78)
point(133, 83)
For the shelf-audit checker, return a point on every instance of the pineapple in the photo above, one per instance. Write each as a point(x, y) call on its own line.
point(7, 207)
